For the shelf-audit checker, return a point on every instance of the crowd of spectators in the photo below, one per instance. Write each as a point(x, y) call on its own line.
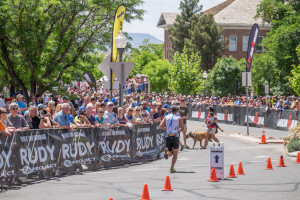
point(101, 108)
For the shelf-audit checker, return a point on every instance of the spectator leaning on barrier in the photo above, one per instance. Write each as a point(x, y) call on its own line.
point(62, 117)
point(66, 100)
point(86, 101)
point(14, 120)
point(35, 121)
point(89, 115)
point(110, 118)
point(22, 106)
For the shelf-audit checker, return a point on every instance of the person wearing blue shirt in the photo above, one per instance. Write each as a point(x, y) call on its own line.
point(21, 104)
point(85, 103)
point(238, 102)
point(137, 102)
point(89, 115)
point(62, 117)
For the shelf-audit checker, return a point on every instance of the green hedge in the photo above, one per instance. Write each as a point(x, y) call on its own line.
point(294, 145)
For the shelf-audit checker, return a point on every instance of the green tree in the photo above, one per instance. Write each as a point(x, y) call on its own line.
point(281, 43)
point(143, 55)
point(185, 73)
point(223, 77)
point(205, 39)
point(295, 77)
point(42, 40)
point(180, 32)
point(158, 73)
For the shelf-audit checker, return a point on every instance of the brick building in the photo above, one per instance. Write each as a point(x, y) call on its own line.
point(236, 17)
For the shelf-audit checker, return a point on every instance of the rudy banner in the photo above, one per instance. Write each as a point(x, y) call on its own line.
point(29, 153)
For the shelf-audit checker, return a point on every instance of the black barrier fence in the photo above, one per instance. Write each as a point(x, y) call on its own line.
point(281, 120)
point(30, 153)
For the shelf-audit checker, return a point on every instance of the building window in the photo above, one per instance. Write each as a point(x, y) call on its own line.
point(222, 40)
point(232, 43)
point(259, 45)
point(245, 43)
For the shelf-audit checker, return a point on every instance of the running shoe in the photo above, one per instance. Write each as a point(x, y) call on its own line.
point(166, 156)
point(181, 148)
point(172, 170)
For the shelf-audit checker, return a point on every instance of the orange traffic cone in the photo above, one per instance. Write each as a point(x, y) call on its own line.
point(167, 186)
point(240, 169)
point(269, 164)
point(213, 176)
point(110, 198)
point(281, 162)
point(145, 194)
point(298, 158)
point(231, 172)
point(263, 137)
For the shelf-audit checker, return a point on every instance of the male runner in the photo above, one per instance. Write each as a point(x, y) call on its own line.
point(184, 111)
point(171, 124)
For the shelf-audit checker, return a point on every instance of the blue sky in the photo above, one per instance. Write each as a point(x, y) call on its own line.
point(154, 9)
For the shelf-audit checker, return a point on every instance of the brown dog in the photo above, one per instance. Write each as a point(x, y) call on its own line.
point(197, 136)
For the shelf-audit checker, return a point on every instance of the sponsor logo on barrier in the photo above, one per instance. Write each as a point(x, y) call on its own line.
point(77, 149)
point(160, 139)
point(28, 170)
point(144, 142)
point(31, 138)
point(118, 146)
point(106, 158)
point(158, 128)
point(143, 130)
point(68, 135)
point(37, 154)
point(7, 173)
point(4, 159)
point(69, 163)
point(287, 123)
point(113, 132)
point(196, 114)
point(225, 117)
point(255, 120)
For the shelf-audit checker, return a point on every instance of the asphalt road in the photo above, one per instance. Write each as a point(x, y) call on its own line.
point(190, 184)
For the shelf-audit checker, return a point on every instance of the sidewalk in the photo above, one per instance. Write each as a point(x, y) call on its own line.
point(237, 131)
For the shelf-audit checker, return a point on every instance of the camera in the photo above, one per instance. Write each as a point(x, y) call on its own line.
point(43, 112)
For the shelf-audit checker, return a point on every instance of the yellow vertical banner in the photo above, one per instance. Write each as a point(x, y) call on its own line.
point(118, 25)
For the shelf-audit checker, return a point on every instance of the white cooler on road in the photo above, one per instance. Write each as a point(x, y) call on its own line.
point(217, 159)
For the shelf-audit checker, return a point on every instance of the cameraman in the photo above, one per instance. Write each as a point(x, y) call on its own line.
point(36, 121)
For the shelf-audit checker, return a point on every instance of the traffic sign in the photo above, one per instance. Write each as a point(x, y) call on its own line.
point(217, 159)
point(119, 72)
point(244, 79)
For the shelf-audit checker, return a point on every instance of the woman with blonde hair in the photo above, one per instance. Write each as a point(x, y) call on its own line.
point(137, 117)
point(57, 109)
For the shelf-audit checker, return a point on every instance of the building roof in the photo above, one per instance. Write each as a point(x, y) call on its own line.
point(228, 13)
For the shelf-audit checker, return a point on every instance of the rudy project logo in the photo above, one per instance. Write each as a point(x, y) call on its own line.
point(120, 15)
point(67, 163)
point(106, 158)
point(28, 170)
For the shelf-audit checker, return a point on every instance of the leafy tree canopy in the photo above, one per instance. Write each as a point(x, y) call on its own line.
point(280, 45)
point(42, 40)
point(222, 79)
point(143, 55)
point(185, 73)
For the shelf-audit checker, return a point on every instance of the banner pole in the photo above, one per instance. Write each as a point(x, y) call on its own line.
point(247, 102)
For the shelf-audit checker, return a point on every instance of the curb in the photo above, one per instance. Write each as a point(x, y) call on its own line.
point(293, 154)
point(255, 140)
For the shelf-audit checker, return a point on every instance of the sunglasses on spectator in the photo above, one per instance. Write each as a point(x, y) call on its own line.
point(3, 112)
point(138, 110)
point(131, 110)
point(14, 108)
point(101, 112)
point(110, 105)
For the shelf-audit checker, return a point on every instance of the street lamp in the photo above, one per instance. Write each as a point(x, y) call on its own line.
point(204, 76)
point(121, 42)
